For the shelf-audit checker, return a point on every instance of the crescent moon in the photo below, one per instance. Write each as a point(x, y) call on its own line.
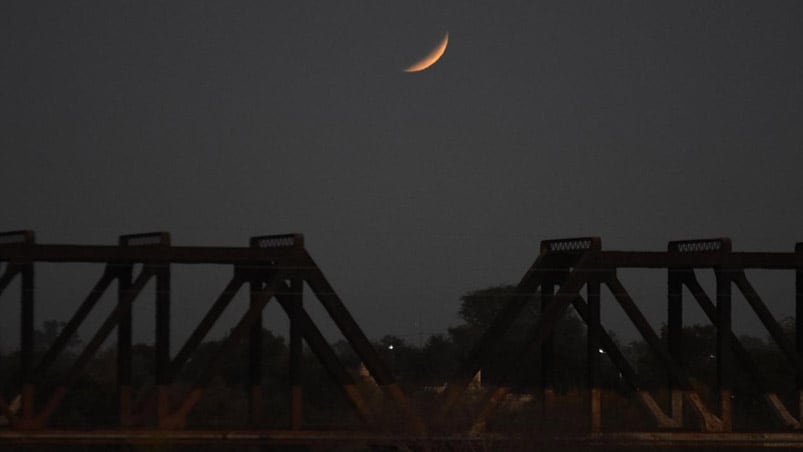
point(430, 59)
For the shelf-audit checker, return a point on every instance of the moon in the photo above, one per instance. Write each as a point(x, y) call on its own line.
point(430, 59)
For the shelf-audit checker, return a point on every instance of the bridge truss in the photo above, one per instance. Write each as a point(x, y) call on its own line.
point(277, 267)
point(271, 267)
point(565, 267)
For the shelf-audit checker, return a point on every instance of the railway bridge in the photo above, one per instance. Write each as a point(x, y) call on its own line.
point(567, 274)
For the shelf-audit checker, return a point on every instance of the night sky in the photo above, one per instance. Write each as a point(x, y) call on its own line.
point(637, 121)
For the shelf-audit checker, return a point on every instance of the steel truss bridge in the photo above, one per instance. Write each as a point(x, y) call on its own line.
point(567, 272)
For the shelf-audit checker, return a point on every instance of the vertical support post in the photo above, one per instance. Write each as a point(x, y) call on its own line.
point(548, 348)
point(26, 341)
point(124, 325)
point(724, 360)
point(799, 322)
point(291, 241)
point(721, 319)
point(296, 355)
point(124, 331)
point(162, 358)
point(255, 400)
point(593, 351)
point(675, 332)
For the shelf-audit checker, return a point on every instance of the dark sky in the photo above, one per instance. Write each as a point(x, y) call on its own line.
point(637, 121)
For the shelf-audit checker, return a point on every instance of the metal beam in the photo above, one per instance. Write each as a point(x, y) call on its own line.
point(116, 254)
point(489, 341)
point(675, 335)
point(254, 381)
point(767, 319)
point(91, 348)
point(206, 324)
point(543, 327)
point(177, 419)
point(125, 301)
point(799, 323)
point(296, 354)
point(593, 349)
point(548, 347)
point(724, 359)
point(8, 276)
point(658, 259)
point(359, 342)
point(159, 397)
point(709, 421)
point(740, 353)
point(66, 333)
point(27, 339)
point(124, 344)
point(626, 371)
point(345, 322)
point(677, 373)
point(323, 351)
point(162, 340)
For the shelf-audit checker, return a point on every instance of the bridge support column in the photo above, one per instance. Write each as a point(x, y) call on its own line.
point(594, 351)
point(799, 323)
point(675, 330)
point(547, 350)
point(724, 360)
point(124, 391)
point(163, 377)
point(255, 397)
point(26, 342)
point(296, 355)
